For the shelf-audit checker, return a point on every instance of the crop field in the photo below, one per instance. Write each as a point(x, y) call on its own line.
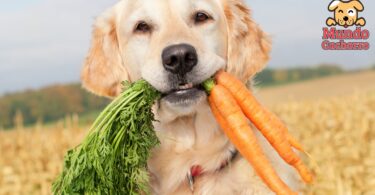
point(339, 134)
point(31, 158)
point(337, 131)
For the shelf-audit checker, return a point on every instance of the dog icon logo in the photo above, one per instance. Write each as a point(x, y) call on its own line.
point(346, 13)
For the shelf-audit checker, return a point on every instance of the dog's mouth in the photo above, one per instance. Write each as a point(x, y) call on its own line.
point(185, 94)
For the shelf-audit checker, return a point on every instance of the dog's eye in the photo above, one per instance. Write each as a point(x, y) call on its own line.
point(201, 17)
point(142, 27)
point(340, 11)
point(350, 11)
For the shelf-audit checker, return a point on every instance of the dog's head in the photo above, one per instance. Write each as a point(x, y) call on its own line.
point(346, 12)
point(174, 45)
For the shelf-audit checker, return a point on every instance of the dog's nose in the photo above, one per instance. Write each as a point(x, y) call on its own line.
point(179, 59)
point(346, 18)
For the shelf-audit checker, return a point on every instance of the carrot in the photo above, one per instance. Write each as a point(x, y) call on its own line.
point(270, 126)
point(294, 143)
point(234, 123)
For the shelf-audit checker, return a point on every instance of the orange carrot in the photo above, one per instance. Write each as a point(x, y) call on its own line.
point(235, 125)
point(294, 143)
point(270, 126)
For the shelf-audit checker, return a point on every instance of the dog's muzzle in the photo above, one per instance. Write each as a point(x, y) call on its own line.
point(179, 60)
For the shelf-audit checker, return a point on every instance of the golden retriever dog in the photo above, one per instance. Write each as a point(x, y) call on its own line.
point(175, 46)
point(346, 13)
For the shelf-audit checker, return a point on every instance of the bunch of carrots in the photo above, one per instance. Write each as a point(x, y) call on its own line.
point(112, 158)
point(232, 104)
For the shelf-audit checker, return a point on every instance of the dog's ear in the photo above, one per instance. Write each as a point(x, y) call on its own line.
point(103, 70)
point(248, 45)
point(357, 5)
point(333, 5)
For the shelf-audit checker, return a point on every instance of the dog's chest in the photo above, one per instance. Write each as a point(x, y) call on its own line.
point(185, 143)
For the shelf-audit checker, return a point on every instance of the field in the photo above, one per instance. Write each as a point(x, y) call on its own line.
point(333, 117)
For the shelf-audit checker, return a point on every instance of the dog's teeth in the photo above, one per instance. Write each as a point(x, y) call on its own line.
point(186, 86)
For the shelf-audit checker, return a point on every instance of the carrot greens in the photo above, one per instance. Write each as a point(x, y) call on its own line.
point(112, 159)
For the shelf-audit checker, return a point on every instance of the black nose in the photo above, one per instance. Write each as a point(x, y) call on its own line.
point(346, 18)
point(179, 59)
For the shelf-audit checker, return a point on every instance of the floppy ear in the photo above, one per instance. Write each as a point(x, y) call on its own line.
point(357, 5)
point(333, 5)
point(103, 70)
point(248, 45)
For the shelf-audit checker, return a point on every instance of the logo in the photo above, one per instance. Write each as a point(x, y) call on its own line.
point(349, 34)
point(346, 13)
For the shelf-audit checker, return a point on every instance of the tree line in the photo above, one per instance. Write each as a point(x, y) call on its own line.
point(47, 104)
point(270, 77)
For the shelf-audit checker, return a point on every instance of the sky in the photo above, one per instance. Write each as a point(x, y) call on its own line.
point(44, 42)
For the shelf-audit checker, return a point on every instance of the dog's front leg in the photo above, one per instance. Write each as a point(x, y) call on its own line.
point(360, 22)
point(331, 22)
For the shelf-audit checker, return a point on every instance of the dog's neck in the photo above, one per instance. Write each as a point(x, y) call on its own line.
point(186, 141)
point(197, 170)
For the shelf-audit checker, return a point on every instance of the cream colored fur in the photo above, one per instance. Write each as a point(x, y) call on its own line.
point(189, 135)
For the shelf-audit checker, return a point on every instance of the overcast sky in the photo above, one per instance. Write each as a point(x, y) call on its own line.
point(44, 42)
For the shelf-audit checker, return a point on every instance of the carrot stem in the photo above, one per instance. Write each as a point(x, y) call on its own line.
point(208, 85)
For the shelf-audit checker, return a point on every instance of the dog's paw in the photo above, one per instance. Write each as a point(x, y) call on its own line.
point(331, 22)
point(360, 22)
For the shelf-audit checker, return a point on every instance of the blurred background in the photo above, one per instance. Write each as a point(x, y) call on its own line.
point(327, 98)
